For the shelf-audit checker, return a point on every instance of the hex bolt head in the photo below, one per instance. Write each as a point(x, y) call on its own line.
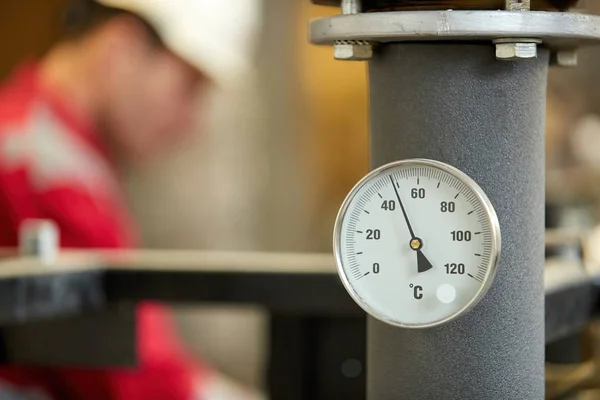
point(515, 51)
point(352, 50)
point(517, 5)
point(564, 58)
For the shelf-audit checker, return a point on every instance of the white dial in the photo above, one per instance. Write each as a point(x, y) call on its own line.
point(416, 243)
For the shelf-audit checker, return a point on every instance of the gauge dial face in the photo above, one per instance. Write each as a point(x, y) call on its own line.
point(417, 243)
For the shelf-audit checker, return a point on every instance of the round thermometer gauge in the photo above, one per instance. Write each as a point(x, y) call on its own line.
point(417, 243)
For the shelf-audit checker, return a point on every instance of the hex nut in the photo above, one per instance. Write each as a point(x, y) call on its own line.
point(515, 51)
point(352, 50)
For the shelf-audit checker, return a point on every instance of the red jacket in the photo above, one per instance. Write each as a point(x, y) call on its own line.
point(53, 166)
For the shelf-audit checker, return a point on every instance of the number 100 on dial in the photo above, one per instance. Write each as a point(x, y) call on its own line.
point(417, 243)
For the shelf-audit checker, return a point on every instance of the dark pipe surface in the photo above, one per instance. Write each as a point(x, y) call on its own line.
point(457, 104)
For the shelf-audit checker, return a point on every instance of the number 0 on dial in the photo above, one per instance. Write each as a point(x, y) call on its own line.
point(416, 243)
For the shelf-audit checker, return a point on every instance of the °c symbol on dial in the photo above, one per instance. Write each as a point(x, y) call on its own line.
point(418, 292)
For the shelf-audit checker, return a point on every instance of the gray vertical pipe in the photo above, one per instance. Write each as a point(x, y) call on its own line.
point(457, 104)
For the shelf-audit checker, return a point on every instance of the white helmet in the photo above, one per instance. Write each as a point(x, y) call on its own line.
point(216, 36)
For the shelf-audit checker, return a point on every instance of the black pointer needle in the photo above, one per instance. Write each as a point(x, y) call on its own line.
point(412, 234)
point(423, 263)
point(416, 244)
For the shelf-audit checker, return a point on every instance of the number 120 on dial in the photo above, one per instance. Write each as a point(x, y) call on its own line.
point(416, 243)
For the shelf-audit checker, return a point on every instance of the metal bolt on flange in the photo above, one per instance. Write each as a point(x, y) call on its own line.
point(518, 5)
point(351, 6)
point(512, 49)
point(516, 51)
point(516, 48)
point(564, 58)
point(352, 50)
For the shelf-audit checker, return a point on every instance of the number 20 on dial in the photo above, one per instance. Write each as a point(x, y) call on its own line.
point(417, 243)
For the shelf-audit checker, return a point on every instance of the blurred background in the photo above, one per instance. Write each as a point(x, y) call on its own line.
point(283, 148)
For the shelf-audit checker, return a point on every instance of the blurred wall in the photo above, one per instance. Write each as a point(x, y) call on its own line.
point(27, 28)
point(573, 107)
point(240, 185)
point(335, 94)
point(572, 93)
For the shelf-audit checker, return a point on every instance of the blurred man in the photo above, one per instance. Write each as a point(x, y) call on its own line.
point(122, 85)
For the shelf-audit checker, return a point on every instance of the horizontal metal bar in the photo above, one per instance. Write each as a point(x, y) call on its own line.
point(173, 260)
point(301, 284)
point(301, 293)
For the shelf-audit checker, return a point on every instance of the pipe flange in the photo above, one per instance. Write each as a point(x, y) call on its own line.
point(414, 5)
point(556, 30)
